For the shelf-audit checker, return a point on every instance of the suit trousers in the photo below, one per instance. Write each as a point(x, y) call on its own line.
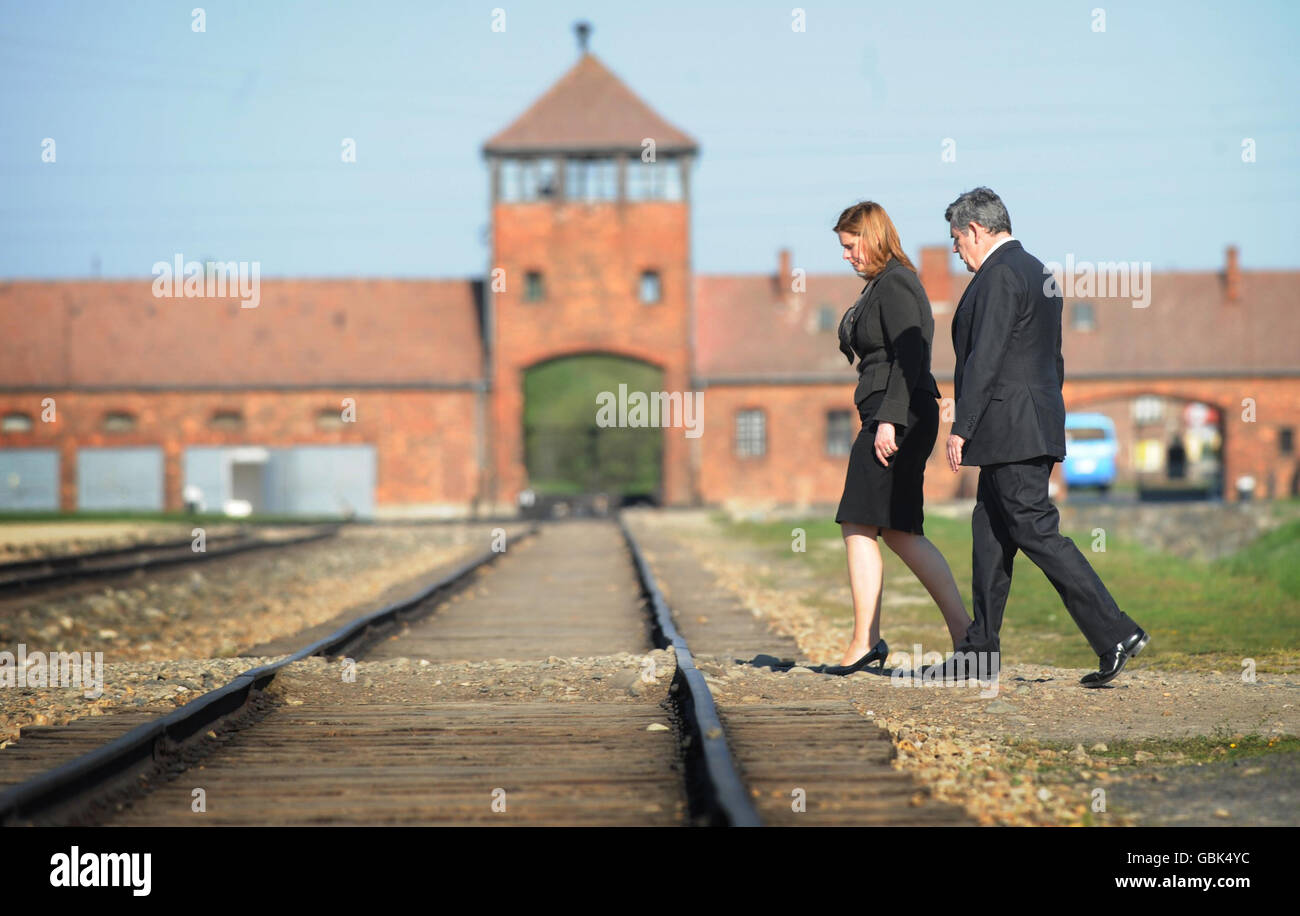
point(1012, 513)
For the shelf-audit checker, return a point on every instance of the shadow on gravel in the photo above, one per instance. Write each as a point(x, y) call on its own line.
point(1261, 791)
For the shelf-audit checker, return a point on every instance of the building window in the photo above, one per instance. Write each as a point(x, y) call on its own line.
point(1082, 317)
point(839, 432)
point(118, 422)
point(16, 423)
point(329, 418)
point(534, 286)
point(825, 318)
point(1148, 408)
point(659, 180)
point(1286, 440)
point(751, 433)
point(650, 288)
point(227, 419)
point(591, 179)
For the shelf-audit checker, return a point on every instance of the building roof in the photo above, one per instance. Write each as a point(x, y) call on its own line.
point(745, 332)
point(1191, 327)
point(588, 109)
point(115, 333)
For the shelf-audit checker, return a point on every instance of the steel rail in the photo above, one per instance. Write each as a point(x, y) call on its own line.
point(712, 775)
point(59, 560)
point(63, 572)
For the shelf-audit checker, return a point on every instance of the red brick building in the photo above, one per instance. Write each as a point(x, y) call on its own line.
point(393, 396)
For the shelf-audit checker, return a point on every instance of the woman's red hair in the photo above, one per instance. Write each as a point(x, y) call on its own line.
point(877, 238)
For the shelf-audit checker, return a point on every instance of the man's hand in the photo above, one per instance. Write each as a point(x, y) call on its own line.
point(955, 444)
point(885, 445)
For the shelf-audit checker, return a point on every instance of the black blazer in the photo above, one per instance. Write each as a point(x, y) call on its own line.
point(892, 329)
point(1006, 334)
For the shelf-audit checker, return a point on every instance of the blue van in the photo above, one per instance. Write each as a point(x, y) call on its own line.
point(1090, 450)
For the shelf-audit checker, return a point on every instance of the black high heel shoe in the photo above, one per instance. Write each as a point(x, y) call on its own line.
point(879, 653)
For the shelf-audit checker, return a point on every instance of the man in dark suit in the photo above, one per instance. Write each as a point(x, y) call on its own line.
point(1010, 421)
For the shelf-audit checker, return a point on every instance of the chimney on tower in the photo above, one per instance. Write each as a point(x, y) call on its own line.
point(1232, 276)
point(583, 29)
point(936, 276)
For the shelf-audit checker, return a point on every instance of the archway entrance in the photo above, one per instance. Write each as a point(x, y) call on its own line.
point(568, 454)
point(1168, 447)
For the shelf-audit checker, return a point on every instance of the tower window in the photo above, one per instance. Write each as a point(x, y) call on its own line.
point(751, 433)
point(825, 318)
point(591, 179)
point(528, 179)
point(546, 178)
point(1082, 317)
point(650, 287)
point(1286, 440)
point(658, 180)
point(534, 288)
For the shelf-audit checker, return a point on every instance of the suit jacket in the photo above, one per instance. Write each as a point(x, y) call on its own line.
point(1006, 334)
point(891, 328)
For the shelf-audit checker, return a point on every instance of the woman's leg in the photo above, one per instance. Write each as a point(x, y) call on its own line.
point(866, 570)
point(929, 566)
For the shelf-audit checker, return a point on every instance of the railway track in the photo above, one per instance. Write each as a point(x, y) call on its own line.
point(497, 723)
point(45, 572)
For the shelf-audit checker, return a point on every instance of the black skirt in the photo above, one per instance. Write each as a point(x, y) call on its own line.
point(892, 496)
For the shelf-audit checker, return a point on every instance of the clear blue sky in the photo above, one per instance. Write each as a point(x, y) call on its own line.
point(1120, 145)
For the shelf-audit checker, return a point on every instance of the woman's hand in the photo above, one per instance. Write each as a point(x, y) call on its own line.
point(885, 444)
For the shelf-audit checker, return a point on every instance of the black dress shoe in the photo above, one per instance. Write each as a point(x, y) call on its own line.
point(953, 669)
point(879, 653)
point(1112, 663)
point(964, 666)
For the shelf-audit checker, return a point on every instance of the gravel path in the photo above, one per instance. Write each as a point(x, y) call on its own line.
point(1037, 751)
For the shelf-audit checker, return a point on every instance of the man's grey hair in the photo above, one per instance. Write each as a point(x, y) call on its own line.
point(978, 206)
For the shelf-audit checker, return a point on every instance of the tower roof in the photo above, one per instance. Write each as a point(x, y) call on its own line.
point(589, 109)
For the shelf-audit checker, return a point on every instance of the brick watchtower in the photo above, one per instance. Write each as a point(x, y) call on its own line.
point(590, 253)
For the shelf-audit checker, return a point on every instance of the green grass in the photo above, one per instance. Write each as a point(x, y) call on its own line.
point(1275, 557)
point(1196, 749)
point(1202, 615)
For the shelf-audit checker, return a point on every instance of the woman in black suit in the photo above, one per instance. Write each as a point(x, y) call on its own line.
point(891, 328)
